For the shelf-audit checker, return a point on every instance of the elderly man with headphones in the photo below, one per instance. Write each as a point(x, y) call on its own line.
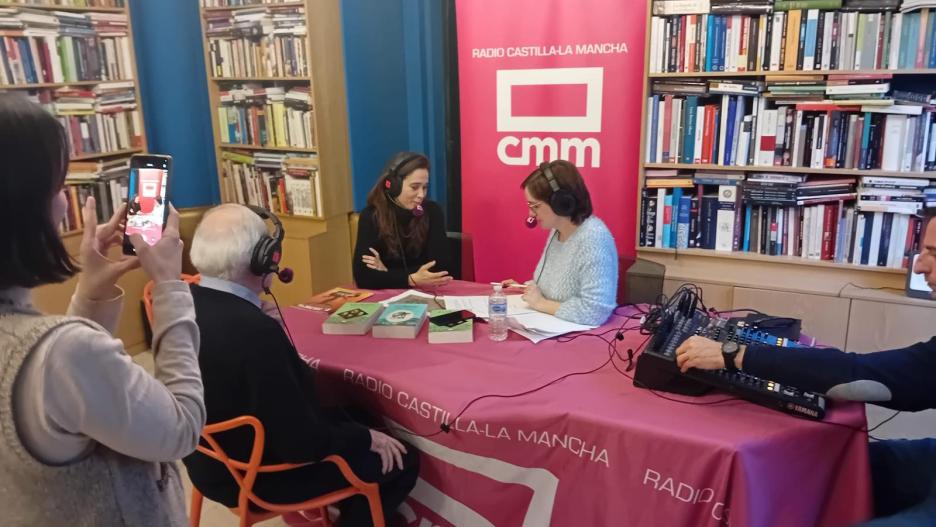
point(401, 234)
point(576, 277)
point(250, 367)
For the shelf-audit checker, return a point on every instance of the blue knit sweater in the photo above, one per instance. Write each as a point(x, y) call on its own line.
point(581, 273)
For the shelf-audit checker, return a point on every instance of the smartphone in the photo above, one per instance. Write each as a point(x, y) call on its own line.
point(916, 283)
point(147, 208)
point(452, 319)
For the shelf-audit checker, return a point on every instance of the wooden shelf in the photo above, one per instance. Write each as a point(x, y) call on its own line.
point(261, 79)
point(67, 8)
point(232, 146)
point(316, 247)
point(251, 6)
point(716, 74)
point(787, 260)
point(100, 155)
point(57, 84)
point(792, 170)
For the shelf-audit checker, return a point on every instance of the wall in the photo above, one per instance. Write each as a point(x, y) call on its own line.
point(394, 67)
point(171, 65)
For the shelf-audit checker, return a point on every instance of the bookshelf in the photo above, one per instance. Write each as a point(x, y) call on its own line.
point(704, 74)
point(791, 170)
point(55, 297)
point(734, 277)
point(105, 127)
point(287, 127)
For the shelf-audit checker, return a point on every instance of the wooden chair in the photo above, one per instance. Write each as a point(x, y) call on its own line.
point(245, 474)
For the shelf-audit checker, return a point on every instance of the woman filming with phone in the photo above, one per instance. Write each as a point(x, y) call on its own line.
point(90, 438)
point(401, 235)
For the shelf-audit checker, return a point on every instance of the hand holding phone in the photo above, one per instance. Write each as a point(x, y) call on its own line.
point(163, 261)
point(99, 273)
point(147, 209)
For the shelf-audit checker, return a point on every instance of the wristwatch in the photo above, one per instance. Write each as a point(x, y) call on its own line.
point(729, 350)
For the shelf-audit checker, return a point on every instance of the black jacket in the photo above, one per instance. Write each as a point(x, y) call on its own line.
point(436, 248)
point(249, 367)
point(908, 373)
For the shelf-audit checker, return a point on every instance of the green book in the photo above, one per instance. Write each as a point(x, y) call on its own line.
point(400, 321)
point(353, 318)
point(457, 334)
point(790, 5)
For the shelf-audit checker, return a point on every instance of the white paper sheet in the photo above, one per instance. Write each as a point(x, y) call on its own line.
point(521, 319)
point(404, 294)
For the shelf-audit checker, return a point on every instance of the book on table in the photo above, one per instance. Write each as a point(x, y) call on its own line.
point(400, 321)
point(334, 298)
point(353, 318)
point(462, 332)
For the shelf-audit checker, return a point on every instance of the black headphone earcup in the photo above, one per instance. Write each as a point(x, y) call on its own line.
point(261, 261)
point(562, 202)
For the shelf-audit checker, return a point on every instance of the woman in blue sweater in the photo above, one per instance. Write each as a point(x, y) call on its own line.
point(577, 275)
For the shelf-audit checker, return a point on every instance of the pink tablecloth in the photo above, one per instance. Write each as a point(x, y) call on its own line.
point(591, 450)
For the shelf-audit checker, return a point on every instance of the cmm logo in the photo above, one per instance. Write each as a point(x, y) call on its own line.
point(521, 150)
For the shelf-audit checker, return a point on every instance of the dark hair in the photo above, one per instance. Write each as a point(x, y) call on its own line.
point(385, 210)
point(568, 178)
point(33, 163)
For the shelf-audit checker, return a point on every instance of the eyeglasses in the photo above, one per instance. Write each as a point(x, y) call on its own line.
point(534, 205)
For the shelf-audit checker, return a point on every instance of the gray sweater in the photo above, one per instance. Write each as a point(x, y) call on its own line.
point(89, 437)
point(581, 273)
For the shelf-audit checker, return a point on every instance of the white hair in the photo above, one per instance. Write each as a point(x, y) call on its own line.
point(224, 241)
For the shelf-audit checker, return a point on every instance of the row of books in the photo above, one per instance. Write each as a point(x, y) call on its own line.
point(267, 116)
point(70, 3)
point(396, 320)
point(784, 215)
point(282, 183)
point(240, 3)
point(58, 47)
point(105, 180)
point(796, 40)
point(258, 42)
point(693, 7)
point(740, 130)
point(97, 121)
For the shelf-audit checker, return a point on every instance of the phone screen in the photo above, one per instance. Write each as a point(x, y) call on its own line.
point(146, 200)
point(453, 318)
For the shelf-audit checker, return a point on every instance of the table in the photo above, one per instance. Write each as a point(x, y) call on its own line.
point(590, 450)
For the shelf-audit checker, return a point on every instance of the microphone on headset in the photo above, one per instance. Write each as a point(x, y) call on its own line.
point(285, 275)
point(418, 210)
point(530, 222)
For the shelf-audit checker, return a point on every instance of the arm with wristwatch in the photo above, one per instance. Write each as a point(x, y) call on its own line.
point(898, 379)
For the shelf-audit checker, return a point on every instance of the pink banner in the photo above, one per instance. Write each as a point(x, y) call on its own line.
point(543, 80)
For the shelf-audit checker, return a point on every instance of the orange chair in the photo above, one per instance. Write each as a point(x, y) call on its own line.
point(245, 474)
point(148, 295)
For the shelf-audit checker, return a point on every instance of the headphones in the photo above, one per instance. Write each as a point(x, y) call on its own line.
point(561, 201)
point(393, 183)
point(266, 254)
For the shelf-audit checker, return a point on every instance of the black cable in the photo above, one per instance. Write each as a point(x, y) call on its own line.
point(866, 288)
point(282, 318)
point(545, 258)
point(879, 425)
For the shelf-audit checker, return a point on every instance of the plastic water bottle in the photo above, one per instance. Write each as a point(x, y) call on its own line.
point(497, 311)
